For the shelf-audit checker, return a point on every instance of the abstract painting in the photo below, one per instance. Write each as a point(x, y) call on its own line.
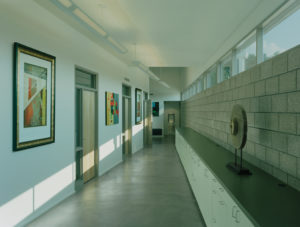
point(112, 108)
point(138, 106)
point(155, 109)
point(34, 97)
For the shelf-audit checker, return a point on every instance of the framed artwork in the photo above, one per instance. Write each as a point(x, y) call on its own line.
point(155, 109)
point(34, 98)
point(138, 106)
point(112, 108)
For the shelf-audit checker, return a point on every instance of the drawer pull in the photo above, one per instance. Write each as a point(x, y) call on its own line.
point(237, 219)
point(233, 213)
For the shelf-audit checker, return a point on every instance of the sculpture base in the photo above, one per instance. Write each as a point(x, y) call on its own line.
point(238, 169)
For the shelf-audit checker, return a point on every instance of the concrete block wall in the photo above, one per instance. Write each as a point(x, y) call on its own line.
point(270, 94)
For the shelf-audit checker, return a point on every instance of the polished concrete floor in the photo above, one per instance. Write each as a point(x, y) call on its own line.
point(149, 188)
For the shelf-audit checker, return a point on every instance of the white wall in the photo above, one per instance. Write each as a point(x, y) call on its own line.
point(33, 180)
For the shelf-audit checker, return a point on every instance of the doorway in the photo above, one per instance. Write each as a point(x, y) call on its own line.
point(126, 121)
point(147, 123)
point(86, 130)
point(171, 117)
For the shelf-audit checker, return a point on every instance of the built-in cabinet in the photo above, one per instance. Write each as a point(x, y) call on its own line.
point(217, 206)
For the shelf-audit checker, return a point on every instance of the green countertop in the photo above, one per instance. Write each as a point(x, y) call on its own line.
point(259, 195)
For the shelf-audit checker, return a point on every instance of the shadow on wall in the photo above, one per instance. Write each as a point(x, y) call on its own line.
point(36, 198)
point(25, 204)
point(107, 148)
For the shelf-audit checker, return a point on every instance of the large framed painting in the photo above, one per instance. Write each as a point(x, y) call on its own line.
point(34, 98)
point(138, 106)
point(112, 108)
point(155, 109)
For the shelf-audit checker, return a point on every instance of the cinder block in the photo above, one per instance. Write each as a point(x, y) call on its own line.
point(279, 174)
point(298, 79)
point(279, 141)
point(260, 88)
point(265, 137)
point(280, 64)
point(288, 123)
point(294, 58)
point(287, 82)
point(288, 163)
point(254, 105)
point(247, 78)
point(294, 182)
point(255, 73)
point(232, 82)
point(279, 103)
point(298, 169)
point(239, 79)
point(272, 86)
point(249, 90)
point(250, 118)
point(249, 148)
point(271, 121)
point(260, 152)
point(294, 145)
point(253, 134)
point(259, 120)
point(272, 157)
point(294, 102)
point(265, 104)
point(298, 124)
point(266, 69)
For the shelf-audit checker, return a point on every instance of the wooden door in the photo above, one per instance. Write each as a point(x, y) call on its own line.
point(88, 122)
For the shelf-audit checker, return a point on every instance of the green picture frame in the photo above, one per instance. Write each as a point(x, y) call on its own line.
point(33, 98)
point(138, 106)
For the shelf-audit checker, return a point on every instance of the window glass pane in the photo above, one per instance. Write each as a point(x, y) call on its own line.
point(226, 69)
point(246, 55)
point(283, 36)
point(85, 79)
point(204, 82)
point(212, 77)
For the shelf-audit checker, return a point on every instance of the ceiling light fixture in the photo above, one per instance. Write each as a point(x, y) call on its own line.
point(81, 15)
point(164, 84)
point(117, 45)
point(66, 3)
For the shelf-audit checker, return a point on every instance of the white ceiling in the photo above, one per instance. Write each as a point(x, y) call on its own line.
point(171, 33)
point(177, 33)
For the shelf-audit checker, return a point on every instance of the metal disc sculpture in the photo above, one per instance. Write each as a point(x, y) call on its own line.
point(238, 130)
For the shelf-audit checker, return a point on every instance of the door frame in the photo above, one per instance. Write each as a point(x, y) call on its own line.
point(76, 149)
point(129, 97)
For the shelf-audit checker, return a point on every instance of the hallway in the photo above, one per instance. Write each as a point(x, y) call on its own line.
point(150, 188)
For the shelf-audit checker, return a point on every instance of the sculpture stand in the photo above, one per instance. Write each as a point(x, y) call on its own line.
point(238, 168)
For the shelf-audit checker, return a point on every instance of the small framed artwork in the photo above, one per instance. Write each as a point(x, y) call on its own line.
point(138, 106)
point(34, 98)
point(112, 108)
point(155, 109)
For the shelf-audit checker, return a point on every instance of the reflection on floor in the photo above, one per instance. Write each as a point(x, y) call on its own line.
point(148, 189)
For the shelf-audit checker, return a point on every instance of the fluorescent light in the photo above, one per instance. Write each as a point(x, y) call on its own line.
point(152, 75)
point(143, 67)
point(116, 44)
point(164, 84)
point(66, 3)
point(81, 15)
